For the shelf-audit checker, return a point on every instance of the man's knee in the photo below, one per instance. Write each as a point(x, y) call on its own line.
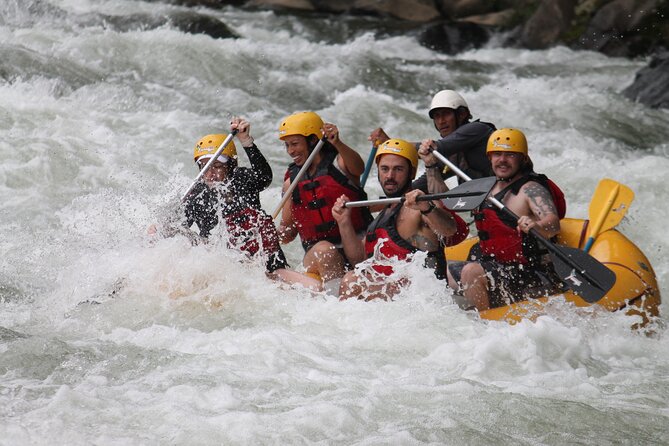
point(471, 273)
point(322, 250)
point(316, 253)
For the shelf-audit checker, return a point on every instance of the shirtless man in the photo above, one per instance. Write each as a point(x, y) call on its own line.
point(511, 265)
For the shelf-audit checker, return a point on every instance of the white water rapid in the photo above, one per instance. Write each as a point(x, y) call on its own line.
point(97, 126)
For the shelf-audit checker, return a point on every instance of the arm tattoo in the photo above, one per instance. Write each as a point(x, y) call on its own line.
point(541, 199)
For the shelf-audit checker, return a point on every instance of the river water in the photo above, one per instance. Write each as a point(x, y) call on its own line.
point(97, 126)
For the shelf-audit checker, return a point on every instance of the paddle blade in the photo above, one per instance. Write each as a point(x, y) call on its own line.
point(582, 273)
point(468, 196)
point(608, 206)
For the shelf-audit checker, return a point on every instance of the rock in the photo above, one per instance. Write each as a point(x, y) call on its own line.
point(206, 3)
point(501, 19)
point(186, 21)
point(651, 84)
point(549, 21)
point(627, 28)
point(412, 10)
point(340, 6)
point(301, 5)
point(464, 8)
point(454, 37)
point(196, 23)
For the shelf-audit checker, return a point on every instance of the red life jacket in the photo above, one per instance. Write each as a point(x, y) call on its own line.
point(499, 239)
point(252, 230)
point(394, 246)
point(314, 197)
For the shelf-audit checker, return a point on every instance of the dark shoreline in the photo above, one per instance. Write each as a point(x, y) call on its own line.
point(617, 28)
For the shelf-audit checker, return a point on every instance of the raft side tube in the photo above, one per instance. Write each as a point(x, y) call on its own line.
point(635, 288)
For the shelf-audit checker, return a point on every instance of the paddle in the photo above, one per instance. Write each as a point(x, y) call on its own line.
point(579, 271)
point(299, 176)
point(210, 163)
point(368, 166)
point(608, 207)
point(465, 197)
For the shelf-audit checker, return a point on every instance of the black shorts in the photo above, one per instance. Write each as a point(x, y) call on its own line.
point(513, 282)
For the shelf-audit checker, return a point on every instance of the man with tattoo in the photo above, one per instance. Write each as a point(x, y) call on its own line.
point(399, 230)
point(509, 264)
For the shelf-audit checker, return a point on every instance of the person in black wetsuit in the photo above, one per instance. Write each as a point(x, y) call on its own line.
point(230, 195)
point(462, 141)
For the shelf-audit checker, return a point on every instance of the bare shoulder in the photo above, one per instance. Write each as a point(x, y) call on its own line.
point(539, 198)
point(532, 188)
point(286, 183)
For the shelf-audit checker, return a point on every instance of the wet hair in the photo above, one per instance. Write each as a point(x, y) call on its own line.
point(459, 111)
point(528, 166)
point(312, 141)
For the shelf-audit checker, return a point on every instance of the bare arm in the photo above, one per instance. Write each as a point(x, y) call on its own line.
point(354, 248)
point(287, 228)
point(544, 213)
point(435, 180)
point(439, 220)
point(351, 160)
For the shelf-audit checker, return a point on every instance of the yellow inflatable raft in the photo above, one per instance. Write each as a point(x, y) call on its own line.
point(635, 289)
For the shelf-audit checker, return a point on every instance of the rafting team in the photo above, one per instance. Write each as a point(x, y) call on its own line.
point(346, 246)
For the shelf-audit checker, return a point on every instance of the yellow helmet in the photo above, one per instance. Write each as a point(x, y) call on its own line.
point(301, 123)
point(507, 140)
point(209, 144)
point(401, 148)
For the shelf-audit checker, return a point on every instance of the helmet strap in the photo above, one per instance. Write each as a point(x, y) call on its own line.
point(312, 142)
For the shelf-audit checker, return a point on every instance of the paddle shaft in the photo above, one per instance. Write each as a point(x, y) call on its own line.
point(299, 176)
point(368, 166)
point(439, 196)
point(210, 163)
point(552, 248)
point(597, 225)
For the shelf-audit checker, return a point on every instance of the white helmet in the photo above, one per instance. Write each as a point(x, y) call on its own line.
point(447, 99)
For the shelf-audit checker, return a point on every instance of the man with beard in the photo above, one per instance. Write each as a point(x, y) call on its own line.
point(399, 230)
point(510, 264)
point(462, 141)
